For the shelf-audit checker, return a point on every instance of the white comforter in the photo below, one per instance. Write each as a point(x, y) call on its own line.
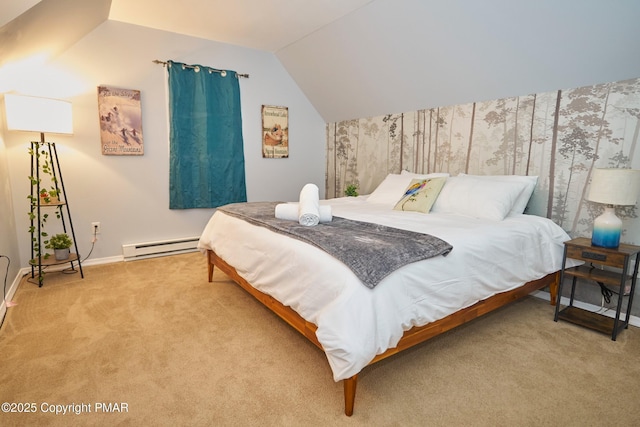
point(356, 323)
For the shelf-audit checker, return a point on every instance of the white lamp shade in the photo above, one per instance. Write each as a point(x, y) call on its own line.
point(33, 114)
point(615, 186)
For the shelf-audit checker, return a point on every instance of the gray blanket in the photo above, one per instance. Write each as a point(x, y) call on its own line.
point(371, 251)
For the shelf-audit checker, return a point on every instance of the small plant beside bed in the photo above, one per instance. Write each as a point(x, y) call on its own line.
point(351, 191)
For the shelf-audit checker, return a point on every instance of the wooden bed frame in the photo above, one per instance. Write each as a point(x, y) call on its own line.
point(415, 335)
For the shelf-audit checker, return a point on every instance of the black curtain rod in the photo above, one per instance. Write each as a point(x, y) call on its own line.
point(197, 67)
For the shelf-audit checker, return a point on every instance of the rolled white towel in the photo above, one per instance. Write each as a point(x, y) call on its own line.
point(289, 211)
point(309, 205)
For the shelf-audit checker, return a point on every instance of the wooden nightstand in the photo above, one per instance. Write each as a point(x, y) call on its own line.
point(618, 258)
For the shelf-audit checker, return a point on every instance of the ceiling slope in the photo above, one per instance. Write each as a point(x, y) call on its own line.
point(399, 56)
point(49, 27)
point(11, 9)
point(260, 24)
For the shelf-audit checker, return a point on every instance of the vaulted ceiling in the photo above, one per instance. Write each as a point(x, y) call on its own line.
point(266, 25)
point(359, 58)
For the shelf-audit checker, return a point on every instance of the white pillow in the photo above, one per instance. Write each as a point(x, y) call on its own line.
point(478, 198)
point(389, 189)
point(523, 199)
point(393, 186)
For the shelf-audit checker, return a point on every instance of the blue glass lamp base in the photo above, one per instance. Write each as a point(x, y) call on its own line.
point(605, 239)
point(607, 229)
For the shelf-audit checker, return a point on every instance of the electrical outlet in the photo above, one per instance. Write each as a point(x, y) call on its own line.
point(95, 228)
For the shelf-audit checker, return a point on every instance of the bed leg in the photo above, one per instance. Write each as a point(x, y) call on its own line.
point(350, 394)
point(553, 289)
point(210, 264)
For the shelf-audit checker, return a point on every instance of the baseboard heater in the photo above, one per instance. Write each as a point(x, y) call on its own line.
point(136, 251)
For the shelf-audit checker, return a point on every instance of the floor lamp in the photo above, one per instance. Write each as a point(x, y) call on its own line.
point(42, 115)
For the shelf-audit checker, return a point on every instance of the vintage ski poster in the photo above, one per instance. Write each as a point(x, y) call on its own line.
point(120, 121)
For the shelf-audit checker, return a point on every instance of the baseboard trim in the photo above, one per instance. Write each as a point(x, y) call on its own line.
point(106, 260)
point(633, 320)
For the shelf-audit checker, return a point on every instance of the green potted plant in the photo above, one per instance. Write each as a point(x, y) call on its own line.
point(351, 191)
point(44, 197)
point(48, 197)
point(53, 196)
point(60, 243)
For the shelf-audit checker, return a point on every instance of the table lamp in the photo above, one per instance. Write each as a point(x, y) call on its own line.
point(612, 187)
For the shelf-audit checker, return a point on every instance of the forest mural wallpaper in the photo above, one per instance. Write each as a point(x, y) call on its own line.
point(560, 136)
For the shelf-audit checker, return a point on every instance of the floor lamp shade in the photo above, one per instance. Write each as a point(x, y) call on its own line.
point(612, 187)
point(33, 114)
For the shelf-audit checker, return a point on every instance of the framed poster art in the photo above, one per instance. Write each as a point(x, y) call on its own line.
point(275, 132)
point(120, 121)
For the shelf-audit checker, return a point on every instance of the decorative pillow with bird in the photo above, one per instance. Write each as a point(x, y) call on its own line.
point(420, 195)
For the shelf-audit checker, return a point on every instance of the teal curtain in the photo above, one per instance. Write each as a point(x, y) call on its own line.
point(205, 141)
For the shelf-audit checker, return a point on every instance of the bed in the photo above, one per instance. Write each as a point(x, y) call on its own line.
point(499, 255)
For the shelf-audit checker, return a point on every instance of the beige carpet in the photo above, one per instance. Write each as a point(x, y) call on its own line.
point(155, 336)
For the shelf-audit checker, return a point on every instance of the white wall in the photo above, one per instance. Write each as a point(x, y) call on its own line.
point(8, 237)
point(9, 255)
point(129, 194)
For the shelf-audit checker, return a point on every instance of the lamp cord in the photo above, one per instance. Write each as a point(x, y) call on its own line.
point(4, 291)
point(606, 292)
point(93, 244)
